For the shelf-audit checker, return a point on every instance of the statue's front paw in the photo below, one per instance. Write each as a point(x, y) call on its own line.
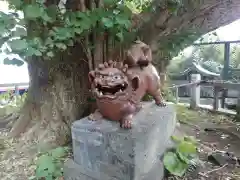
point(161, 104)
point(91, 117)
point(126, 123)
point(95, 116)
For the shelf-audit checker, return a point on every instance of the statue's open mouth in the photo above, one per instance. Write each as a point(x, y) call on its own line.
point(111, 90)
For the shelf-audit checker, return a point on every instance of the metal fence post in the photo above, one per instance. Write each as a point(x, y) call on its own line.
point(216, 98)
point(195, 91)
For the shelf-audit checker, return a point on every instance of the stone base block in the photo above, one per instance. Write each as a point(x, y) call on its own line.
point(73, 171)
point(104, 151)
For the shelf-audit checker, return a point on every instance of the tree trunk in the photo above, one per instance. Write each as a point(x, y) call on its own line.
point(58, 95)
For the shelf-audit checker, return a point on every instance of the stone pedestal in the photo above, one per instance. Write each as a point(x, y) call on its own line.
point(104, 151)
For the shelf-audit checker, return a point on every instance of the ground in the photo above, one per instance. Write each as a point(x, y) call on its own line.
point(18, 164)
point(214, 132)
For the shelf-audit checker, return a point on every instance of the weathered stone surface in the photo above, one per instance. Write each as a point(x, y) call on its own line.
point(102, 150)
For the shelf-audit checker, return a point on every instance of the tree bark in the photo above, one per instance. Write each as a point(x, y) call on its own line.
point(58, 95)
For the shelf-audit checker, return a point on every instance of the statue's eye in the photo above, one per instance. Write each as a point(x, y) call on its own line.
point(117, 77)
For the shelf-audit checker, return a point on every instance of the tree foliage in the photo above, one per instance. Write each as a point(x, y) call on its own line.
point(52, 31)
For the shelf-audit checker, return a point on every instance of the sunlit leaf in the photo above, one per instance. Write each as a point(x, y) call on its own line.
point(107, 22)
point(20, 32)
point(61, 46)
point(16, 3)
point(58, 152)
point(32, 11)
point(174, 165)
point(50, 54)
point(187, 147)
point(18, 44)
point(13, 61)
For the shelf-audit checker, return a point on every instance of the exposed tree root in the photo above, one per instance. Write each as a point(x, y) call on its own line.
point(8, 120)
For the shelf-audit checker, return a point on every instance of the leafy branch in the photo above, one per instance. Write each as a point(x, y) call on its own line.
point(50, 31)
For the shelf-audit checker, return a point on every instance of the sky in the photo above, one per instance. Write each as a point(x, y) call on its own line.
point(229, 32)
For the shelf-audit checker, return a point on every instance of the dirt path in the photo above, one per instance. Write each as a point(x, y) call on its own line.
point(215, 136)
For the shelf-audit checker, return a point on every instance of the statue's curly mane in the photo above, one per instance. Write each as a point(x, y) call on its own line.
point(112, 64)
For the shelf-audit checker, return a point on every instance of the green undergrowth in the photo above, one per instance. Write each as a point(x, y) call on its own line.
point(178, 160)
point(10, 105)
point(49, 165)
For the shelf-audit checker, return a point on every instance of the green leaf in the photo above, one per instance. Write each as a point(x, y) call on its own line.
point(184, 157)
point(122, 20)
point(16, 3)
point(58, 173)
point(81, 15)
point(32, 11)
point(50, 54)
point(78, 30)
point(187, 147)
point(70, 43)
point(14, 61)
point(46, 18)
point(63, 33)
point(174, 165)
point(49, 177)
point(176, 139)
point(2, 28)
point(32, 178)
point(52, 11)
point(32, 51)
point(107, 22)
point(45, 163)
point(58, 152)
point(3, 40)
point(61, 46)
point(18, 44)
point(20, 32)
point(190, 139)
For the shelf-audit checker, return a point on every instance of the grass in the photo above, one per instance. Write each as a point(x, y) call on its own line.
point(12, 107)
point(185, 115)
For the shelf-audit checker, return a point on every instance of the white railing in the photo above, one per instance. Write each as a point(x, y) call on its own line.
point(218, 86)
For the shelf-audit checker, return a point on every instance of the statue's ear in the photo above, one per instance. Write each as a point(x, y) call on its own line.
point(147, 52)
point(135, 83)
point(91, 76)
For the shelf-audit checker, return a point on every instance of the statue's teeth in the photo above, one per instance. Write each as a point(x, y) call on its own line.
point(101, 93)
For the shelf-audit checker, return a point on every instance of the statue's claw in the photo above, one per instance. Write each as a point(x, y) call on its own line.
point(161, 104)
point(95, 116)
point(126, 122)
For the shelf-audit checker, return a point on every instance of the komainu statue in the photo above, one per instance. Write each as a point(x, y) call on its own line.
point(119, 86)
